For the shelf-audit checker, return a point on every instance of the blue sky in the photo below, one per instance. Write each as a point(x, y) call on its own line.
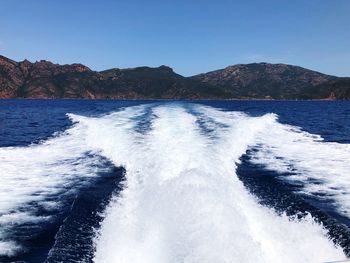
point(190, 36)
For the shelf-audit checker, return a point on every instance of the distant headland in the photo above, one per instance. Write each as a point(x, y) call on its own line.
point(46, 80)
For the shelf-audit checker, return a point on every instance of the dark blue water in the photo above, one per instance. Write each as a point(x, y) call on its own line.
point(68, 236)
point(330, 119)
point(26, 121)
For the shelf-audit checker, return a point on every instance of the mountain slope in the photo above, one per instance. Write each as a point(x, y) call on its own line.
point(39, 79)
point(44, 79)
point(263, 80)
point(338, 88)
point(161, 82)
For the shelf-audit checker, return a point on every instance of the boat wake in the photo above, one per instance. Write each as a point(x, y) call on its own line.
point(181, 199)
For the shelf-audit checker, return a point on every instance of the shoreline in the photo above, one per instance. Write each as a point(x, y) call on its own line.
point(175, 99)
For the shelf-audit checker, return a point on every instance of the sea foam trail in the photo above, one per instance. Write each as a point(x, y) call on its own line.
point(32, 177)
point(35, 179)
point(323, 168)
point(182, 201)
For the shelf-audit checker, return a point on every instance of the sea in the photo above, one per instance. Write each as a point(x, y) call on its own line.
point(174, 181)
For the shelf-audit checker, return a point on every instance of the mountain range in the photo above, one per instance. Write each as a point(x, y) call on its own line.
point(44, 79)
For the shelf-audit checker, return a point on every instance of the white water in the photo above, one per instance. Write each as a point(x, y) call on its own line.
point(182, 201)
point(32, 177)
point(323, 168)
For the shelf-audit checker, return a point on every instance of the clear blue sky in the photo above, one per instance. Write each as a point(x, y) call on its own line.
point(190, 36)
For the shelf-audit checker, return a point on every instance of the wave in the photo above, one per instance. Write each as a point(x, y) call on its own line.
point(35, 181)
point(182, 201)
point(320, 168)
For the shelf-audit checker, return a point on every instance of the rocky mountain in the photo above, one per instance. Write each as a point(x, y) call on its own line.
point(39, 79)
point(337, 89)
point(43, 79)
point(161, 82)
point(263, 80)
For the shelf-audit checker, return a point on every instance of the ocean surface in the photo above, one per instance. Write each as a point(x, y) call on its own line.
point(156, 181)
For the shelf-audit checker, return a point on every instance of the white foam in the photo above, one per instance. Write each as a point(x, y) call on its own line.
point(33, 176)
point(9, 248)
point(323, 168)
point(182, 201)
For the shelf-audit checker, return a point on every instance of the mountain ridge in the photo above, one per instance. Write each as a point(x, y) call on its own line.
point(267, 80)
point(44, 79)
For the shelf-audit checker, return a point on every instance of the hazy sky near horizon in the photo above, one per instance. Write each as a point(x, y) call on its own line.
point(190, 36)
